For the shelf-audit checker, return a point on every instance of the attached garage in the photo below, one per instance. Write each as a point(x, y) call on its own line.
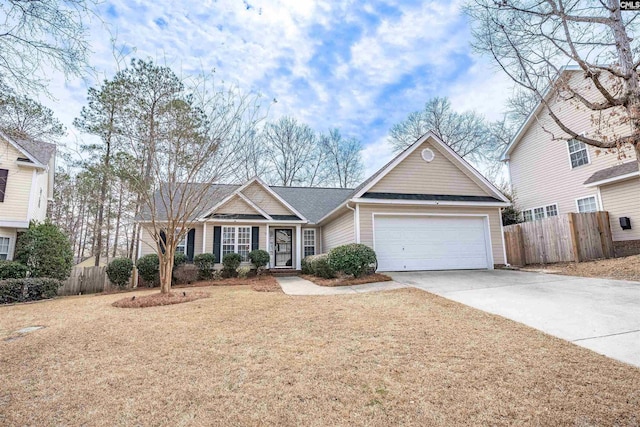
point(432, 242)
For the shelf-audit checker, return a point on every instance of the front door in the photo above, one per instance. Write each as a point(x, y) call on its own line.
point(283, 247)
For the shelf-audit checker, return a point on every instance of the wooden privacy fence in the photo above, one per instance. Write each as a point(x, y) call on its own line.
point(564, 238)
point(85, 280)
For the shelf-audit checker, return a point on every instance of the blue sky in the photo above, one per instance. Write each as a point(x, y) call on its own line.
point(361, 66)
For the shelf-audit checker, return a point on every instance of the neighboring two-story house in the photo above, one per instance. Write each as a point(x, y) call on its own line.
point(26, 185)
point(553, 177)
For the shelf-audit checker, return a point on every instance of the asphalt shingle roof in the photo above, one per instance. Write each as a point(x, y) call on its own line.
point(313, 203)
point(40, 150)
point(434, 197)
point(613, 172)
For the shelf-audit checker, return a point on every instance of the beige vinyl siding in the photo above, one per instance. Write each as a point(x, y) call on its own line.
point(258, 195)
point(338, 231)
point(623, 199)
point(540, 168)
point(16, 200)
point(440, 176)
point(366, 221)
point(148, 245)
point(12, 235)
point(236, 206)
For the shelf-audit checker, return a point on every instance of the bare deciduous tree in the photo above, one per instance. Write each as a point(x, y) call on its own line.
point(532, 40)
point(43, 32)
point(291, 147)
point(344, 161)
point(465, 132)
point(182, 151)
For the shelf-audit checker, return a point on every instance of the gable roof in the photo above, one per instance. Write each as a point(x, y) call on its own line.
point(539, 106)
point(461, 163)
point(313, 202)
point(38, 152)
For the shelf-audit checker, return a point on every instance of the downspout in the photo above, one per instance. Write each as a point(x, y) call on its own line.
point(356, 221)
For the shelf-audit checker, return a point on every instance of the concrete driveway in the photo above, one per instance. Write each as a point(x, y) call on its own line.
point(599, 314)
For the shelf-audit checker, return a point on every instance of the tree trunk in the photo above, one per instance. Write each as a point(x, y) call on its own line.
point(118, 217)
point(166, 269)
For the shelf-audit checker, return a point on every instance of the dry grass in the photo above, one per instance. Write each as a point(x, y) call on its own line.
point(240, 357)
point(158, 299)
point(348, 280)
point(626, 268)
point(264, 280)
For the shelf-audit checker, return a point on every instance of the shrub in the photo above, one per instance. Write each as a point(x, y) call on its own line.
point(231, 262)
point(243, 271)
point(119, 271)
point(45, 250)
point(318, 265)
point(354, 259)
point(205, 264)
point(179, 259)
point(148, 266)
point(12, 270)
point(306, 266)
point(28, 289)
point(10, 291)
point(40, 288)
point(260, 259)
point(185, 274)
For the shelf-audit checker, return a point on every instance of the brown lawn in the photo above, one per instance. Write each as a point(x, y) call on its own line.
point(626, 268)
point(348, 280)
point(241, 357)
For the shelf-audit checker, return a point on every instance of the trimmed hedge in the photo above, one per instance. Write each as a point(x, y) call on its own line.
point(148, 266)
point(260, 259)
point(119, 271)
point(231, 262)
point(318, 265)
point(12, 270)
point(206, 264)
point(355, 259)
point(30, 289)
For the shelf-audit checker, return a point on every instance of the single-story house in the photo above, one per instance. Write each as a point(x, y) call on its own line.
point(427, 209)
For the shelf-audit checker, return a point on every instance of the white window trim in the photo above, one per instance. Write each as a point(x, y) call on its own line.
point(236, 229)
point(569, 153)
point(304, 245)
point(8, 253)
point(544, 209)
point(183, 243)
point(593, 196)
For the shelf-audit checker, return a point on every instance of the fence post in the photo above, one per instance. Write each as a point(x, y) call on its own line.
point(604, 228)
point(573, 235)
point(520, 239)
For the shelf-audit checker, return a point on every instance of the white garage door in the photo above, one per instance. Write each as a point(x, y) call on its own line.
point(405, 243)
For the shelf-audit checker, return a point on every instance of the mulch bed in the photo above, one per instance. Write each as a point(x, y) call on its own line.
point(347, 280)
point(155, 300)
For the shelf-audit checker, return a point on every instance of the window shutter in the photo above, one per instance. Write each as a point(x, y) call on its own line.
point(191, 240)
point(163, 238)
point(4, 173)
point(217, 241)
point(255, 238)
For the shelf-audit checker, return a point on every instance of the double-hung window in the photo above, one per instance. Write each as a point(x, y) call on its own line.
point(4, 248)
point(309, 241)
point(181, 248)
point(236, 240)
point(587, 204)
point(578, 153)
point(540, 213)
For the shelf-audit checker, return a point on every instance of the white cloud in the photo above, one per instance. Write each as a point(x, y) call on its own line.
point(376, 155)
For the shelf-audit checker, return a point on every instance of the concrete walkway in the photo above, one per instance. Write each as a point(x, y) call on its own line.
point(298, 286)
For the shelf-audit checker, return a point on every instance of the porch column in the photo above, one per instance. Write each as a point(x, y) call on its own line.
point(204, 237)
point(298, 247)
point(267, 248)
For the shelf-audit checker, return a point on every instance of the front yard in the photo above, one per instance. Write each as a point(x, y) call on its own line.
point(626, 268)
point(242, 357)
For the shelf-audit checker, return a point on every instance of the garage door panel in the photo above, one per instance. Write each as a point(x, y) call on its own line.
point(430, 243)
